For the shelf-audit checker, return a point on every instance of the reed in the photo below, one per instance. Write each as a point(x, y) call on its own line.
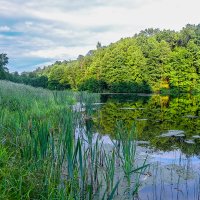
point(41, 155)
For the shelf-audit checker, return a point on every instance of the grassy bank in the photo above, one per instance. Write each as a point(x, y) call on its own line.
point(47, 149)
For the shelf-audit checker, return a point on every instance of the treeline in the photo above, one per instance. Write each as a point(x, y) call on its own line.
point(28, 78)
point(150, 61)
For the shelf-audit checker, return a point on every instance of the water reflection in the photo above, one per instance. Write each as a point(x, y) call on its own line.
point(154, 116)
point(168, 131)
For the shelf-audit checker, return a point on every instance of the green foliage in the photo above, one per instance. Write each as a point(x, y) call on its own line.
point(128, 87)
point(3, 63)
point(56, 79)
point(93, 85)
point(40, 154)
point(162, 59)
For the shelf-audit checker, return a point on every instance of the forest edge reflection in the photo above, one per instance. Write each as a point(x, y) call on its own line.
point(155, 118)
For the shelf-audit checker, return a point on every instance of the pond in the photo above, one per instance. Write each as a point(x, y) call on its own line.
point(168, 134)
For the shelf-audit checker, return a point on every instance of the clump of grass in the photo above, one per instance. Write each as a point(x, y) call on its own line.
point(40, 157)
point(126, 152)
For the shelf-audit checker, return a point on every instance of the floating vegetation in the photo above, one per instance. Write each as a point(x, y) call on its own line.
point(174, 164)
point(189, 141)
point(196, 136)
point(128, 108)
point(143, 142)
point(173, 133)
point(190, 116)
point(141, 119)
point(131, 108)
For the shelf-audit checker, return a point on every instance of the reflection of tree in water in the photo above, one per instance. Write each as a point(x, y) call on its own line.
point(155, 117)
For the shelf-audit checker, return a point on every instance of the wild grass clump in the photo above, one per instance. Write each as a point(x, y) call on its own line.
point(41, 155)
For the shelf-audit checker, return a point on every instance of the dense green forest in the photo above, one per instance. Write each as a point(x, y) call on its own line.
point(153, 60)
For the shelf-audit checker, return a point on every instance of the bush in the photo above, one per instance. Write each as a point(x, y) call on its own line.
point(93, 85)
point(129, 87)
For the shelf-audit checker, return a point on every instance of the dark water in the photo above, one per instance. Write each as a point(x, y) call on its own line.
point(168, 132)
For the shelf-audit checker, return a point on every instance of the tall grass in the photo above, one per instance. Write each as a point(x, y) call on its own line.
point(42, 158)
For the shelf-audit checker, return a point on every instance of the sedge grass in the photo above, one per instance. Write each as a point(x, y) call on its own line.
point(41, 158)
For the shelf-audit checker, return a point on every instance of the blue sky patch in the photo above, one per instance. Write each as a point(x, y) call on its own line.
point(39, 32)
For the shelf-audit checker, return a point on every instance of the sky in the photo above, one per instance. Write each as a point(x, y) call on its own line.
point(35, 33)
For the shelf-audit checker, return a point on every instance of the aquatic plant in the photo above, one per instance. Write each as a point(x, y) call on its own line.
point(42, 156)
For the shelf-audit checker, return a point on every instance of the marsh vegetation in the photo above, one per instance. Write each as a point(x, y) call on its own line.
point(49, 148)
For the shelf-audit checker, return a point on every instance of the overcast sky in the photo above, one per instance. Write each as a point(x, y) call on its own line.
point(38, 32)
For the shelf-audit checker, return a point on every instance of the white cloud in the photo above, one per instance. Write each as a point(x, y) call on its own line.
point(4, 28)
point(66, 28)
point(58, 53)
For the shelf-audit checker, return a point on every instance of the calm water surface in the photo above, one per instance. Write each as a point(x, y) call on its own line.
point(168, 134)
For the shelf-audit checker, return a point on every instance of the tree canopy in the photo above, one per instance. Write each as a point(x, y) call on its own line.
point(150, 61)
point(3, 63)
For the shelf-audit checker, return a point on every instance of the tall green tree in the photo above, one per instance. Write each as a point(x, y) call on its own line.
point(3, 68)
point(149, 61)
